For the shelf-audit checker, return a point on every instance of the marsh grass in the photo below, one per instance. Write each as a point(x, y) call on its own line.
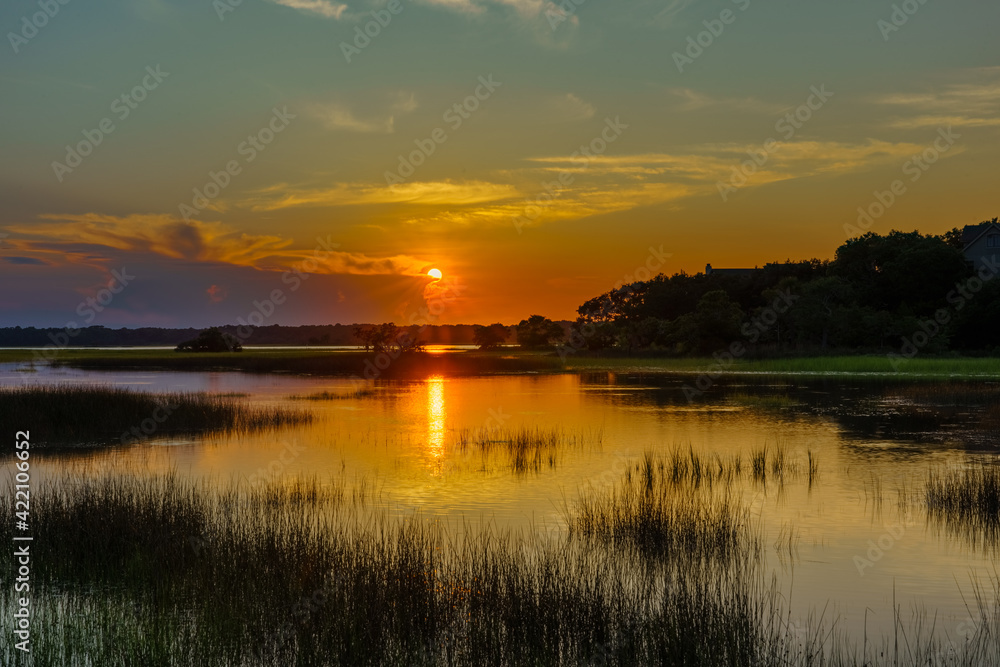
point(525, 449)
point(365, 392)
point(967, 502)
point(74, 415)
point(758, 463)
point(129, 569)
point(655, 511)
point(681, 467)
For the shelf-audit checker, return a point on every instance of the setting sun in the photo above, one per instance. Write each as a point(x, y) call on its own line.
point(435, 274)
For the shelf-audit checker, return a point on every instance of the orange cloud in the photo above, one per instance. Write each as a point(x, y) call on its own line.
point(173, 238)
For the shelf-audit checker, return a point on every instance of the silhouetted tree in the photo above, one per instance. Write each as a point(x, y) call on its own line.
point(211, 340)
point(491, 337)
point(538, 331)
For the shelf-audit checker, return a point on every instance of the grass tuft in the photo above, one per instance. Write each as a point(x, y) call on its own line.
point(967, 502)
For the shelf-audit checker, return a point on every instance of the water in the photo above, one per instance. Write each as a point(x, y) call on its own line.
point(852, 548)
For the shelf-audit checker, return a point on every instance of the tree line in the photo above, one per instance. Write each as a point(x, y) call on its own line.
point(877, 293)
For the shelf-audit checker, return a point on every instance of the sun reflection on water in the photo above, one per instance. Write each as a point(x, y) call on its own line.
point(435, 416)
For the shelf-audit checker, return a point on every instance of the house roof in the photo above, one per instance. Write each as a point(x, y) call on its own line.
point(971, 233)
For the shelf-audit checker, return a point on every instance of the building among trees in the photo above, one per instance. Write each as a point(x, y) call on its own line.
point(982, 242)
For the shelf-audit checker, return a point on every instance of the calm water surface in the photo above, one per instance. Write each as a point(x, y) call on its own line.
point(402, 439)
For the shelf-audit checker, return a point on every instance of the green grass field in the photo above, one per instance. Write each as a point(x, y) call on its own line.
point(918, 367)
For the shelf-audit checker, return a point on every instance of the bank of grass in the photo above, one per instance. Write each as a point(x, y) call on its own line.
point(68, 415)
point(350, 394)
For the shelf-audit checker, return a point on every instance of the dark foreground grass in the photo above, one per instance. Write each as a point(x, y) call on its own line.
point(159, 571)
point(103, 415)
point(130, 570)
point(967, 502)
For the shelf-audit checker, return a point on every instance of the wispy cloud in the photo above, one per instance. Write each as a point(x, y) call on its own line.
point(972, 102)
point(327, 8)
point(440, 193)
point(569, 107)
point(710, 162)
point(101, 236)
point(338, 116)
point(24, 261)
point(463, 6)
point(689, 99)
point(599, 185)
point(547, 21)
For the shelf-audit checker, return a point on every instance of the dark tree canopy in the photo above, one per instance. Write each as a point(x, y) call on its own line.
point(211, 340)
point(491, 337)
point(878, 290)
point(538, 331)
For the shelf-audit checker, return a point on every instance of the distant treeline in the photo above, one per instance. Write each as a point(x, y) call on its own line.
point(333, 334)
point(904, 292)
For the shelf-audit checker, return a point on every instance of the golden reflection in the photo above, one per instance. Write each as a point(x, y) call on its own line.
point(435, 416)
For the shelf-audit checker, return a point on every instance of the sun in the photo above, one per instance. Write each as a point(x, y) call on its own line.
point(435, 274)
